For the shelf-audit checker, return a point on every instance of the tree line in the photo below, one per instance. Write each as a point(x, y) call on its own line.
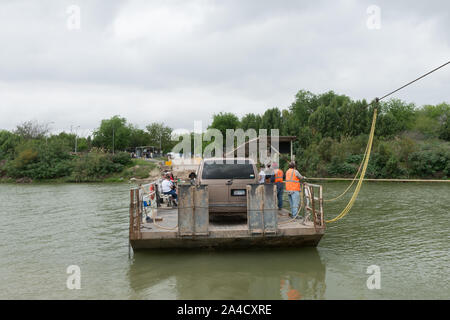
point(331, 130)
point(31, 152)
point(332, 133)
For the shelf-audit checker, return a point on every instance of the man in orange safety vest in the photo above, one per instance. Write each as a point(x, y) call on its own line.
point(293, 188)
point(279, 183)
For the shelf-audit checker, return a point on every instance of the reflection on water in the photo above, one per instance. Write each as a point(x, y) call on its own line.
point(243, 274)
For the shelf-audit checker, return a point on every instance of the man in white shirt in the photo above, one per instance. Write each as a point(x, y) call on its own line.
point(262, 175)
point(168, 187)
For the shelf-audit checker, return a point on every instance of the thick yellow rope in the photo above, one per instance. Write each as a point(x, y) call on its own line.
point(363, 172)
point(354, 179)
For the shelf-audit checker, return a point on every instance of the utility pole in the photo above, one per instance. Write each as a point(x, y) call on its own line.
point(113, 139)
point(46, 134)
point(71, 126)
point(71, 130)
point(76, 137)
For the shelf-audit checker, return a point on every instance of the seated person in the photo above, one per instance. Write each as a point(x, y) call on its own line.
point(192, 177)
point(168, 187)
point(269, 174)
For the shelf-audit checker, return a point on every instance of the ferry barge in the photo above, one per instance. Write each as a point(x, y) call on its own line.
point(153, 225)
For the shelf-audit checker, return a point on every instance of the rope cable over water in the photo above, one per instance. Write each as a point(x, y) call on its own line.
point(417, 79)
point(362, 167)
point(365, 160)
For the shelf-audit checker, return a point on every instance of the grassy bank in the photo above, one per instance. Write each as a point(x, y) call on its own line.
point(138, 169)
point(86, 168)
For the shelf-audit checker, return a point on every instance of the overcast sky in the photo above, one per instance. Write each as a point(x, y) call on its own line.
point(180, 61)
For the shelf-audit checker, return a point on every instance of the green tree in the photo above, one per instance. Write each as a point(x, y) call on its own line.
point(394, 117)
point(32, 130)
point(355, 118)
point(432, 121)
point(83, 144)
point(67, 139)
point(271, 119)
point(113, 134)
point(223, 121)
point(325, 121)
point(250, 120)
point(160, 135)
point(138, 137)
point(444, 130)
point(304, 105)
point(8, 143)
point(288, 126)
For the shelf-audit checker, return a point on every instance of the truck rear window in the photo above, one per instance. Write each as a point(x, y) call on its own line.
point(212, 170)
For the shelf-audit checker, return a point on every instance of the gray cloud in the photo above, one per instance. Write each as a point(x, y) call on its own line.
point(179, 61)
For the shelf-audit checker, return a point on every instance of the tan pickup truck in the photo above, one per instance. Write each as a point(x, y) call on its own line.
point(227, 183)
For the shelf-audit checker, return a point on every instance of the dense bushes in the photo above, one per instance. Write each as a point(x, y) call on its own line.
point(122, 158)
point(52, 159)
point(31, 153)
point(432, 160)
point(96, 165)
point(37, 159)
point(434, 121)
point(393, 158)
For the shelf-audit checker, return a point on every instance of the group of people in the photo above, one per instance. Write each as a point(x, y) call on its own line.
point(168, 186)
point(271, 173)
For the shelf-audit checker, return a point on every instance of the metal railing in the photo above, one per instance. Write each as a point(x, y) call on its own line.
point(314, 204)
point(142, 197)
point(135, 214)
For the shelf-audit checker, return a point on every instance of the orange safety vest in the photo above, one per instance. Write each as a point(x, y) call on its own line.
point(292, 182)
point(279, 176)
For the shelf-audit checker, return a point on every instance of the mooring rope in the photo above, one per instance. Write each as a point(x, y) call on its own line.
point(162, 227)
point(363, 173)
point(354, 179)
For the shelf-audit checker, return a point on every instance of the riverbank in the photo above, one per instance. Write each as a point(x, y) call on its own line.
point(405, 157)
point(136, 169)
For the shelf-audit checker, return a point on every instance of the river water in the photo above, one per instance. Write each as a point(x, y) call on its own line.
point(403, 228)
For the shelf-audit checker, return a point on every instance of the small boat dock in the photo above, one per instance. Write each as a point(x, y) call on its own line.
point(190, 226)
